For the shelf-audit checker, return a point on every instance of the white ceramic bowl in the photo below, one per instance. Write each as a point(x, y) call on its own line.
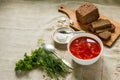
point(62, 38)
point(88, 61)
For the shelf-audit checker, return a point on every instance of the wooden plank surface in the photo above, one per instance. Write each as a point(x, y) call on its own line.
point(77, 26)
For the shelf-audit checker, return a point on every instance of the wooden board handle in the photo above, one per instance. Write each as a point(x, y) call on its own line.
point(67, 11)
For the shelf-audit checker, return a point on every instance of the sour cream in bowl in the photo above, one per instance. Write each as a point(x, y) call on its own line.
point(62, 35)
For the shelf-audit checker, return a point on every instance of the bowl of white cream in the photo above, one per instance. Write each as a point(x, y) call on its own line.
point(63, 35)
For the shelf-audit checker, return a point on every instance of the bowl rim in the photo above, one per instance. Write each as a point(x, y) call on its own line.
point(87, 35)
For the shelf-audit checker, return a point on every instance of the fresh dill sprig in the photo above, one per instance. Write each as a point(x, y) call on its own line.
point(45, 60)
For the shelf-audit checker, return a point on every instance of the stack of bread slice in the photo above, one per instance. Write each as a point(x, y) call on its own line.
point(88, 13)
point(103, 28)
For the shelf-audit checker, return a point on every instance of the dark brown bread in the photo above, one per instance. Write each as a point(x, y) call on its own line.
point(87, 13)
point(112, 29)
point(101, 24)
point(105, 35)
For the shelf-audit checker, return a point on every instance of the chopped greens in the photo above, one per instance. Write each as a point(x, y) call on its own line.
point(45, 60)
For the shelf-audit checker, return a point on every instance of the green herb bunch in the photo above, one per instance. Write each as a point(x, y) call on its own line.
point(45, 60)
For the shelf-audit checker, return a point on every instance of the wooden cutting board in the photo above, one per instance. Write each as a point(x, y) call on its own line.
point(77, 26)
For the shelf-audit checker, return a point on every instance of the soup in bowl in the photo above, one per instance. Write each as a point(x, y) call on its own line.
point(85, 48)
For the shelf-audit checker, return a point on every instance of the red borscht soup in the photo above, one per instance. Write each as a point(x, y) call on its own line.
point(85, 48)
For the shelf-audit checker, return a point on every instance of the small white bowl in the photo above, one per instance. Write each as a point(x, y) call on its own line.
point(62, 38)
point(87, 61)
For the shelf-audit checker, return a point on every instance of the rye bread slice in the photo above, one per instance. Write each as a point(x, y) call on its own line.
point(101, 24)
point(105, 35)
point(112, 29)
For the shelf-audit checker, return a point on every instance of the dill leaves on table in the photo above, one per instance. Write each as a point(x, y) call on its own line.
point(45, 60)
